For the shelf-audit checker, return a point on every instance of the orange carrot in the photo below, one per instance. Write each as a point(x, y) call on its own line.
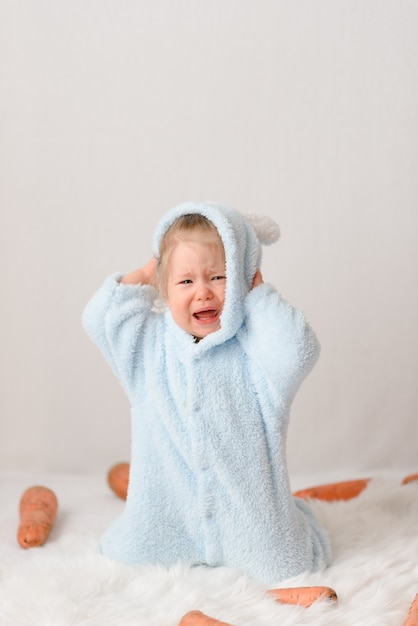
point(412, 617)
point(197, 618)
point(38, 510)
point(118, 478)
point(409, 479)
point(334, 491)
point(304, 596)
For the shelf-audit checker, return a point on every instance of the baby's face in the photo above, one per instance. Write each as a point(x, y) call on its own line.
point(196, 284)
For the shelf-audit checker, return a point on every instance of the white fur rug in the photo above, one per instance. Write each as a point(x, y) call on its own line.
point(68, 582)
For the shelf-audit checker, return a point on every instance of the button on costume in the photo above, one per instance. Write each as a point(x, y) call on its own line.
point(208, 475)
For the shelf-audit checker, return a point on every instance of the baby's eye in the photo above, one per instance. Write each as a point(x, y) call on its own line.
point(218, 277)
point(186, 281)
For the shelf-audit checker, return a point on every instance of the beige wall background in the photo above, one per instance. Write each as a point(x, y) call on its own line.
point(112, 112)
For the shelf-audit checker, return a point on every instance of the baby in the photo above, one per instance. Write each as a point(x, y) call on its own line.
point(210, 377)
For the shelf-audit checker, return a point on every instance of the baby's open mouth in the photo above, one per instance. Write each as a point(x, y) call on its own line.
point(207, 315)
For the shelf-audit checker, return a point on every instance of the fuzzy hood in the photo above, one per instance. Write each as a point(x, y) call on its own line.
point(242, 238)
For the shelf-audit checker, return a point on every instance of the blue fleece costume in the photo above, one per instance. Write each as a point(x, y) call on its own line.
point(208, 476)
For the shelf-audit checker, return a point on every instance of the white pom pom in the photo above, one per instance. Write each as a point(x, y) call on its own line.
point(266, 229)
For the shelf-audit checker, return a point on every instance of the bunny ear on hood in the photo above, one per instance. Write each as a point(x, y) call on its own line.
point(266, 229)
point(242, 237)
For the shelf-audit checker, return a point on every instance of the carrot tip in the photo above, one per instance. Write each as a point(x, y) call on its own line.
point(38, 510)
point(197, 618)
point(304, 596)
point(409, 479)
point(334, 491)
point(118, 479)
point(412, 617)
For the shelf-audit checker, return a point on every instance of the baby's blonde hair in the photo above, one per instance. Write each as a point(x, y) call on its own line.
point(184, 228)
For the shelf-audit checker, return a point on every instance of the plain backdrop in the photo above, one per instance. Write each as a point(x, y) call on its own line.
point(305, 110)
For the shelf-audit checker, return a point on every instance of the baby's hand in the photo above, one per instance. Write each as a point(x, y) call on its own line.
point(150, 272)
point(146, 275)
point(257, 280)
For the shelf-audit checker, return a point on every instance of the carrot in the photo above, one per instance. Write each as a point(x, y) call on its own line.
point(409, 479)
point(412, 617)
point(334, 491)
point(197, 618)
point(304, 596)
point(118, 478)
point(38, 510)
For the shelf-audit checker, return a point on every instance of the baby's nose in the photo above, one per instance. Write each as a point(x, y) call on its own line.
point(204, 293)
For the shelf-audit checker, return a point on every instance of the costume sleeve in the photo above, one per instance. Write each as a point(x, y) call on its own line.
point(116, 319)
point(278, 341)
